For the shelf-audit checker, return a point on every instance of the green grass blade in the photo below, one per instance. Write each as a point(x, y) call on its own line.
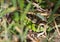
point(21, 4)
point(51, 17)
point(7, 11)
point(23, 15)
point(14, 3)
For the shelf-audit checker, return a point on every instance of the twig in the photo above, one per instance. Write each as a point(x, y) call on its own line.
point(43, 14)
point(50, 38)
point(37, 6)
point(57, 27)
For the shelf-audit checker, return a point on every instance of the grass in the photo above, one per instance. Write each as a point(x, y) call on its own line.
point(14, 25)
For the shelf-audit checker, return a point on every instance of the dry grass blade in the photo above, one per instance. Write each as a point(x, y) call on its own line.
point(18, 30)
point(57, 27)
point(36, 5)
point(43, 14)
